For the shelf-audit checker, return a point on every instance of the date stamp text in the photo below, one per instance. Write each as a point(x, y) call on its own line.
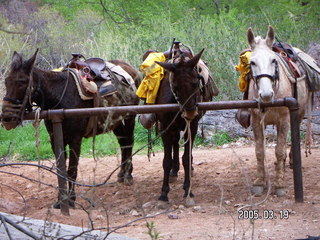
point(255, 214)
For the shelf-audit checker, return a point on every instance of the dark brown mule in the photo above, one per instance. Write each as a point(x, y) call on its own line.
point(181, 84)
point(49, 90)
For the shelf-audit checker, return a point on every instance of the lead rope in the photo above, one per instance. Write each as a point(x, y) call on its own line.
point(150, 143)
point(265, 162)
point(36, 125)
point(188, 131)
point(308, 140)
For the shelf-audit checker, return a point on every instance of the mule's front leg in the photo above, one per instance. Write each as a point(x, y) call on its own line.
point(187, 160)
point(61, 156)
point(74, 154)
point(282, 132)
point(258, 131)
point(166, 165)
point(125, 135)
point(187, 165)
point(175, 164)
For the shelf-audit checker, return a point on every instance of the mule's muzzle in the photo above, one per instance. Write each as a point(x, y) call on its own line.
point(190, 115)
point(8, 125)
point(10, 115)
point(266, 96)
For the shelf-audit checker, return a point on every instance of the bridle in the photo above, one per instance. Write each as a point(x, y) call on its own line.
point(193, 95)
point(274, 79)
point(18, 107)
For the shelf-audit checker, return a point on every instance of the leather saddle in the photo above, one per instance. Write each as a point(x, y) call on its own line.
point(93, 66)
point(94, 70)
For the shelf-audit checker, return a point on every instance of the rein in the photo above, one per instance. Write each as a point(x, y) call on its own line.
point(64, 90)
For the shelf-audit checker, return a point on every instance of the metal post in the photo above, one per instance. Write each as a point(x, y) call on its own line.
point(296, 150)
point(61, 165)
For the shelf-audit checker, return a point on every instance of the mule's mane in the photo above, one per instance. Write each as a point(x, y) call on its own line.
point(49, 75)
point(261, 43)
point(182, 58)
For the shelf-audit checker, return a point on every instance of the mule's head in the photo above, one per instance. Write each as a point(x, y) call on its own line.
point(263, 64)
point(17, 85)
point(184, 83)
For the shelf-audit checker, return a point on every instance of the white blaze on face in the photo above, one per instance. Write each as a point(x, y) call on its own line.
point(266, 93)
point(264, 63)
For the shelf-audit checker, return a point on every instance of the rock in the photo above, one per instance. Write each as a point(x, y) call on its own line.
point(100, 217)
point(238, 205)
point(134, 213)
point(163, 205)
point(181, 206)
point(224, 121)
point(198, 163)
point(196, 208)
point(148, 205)
point(173, 216)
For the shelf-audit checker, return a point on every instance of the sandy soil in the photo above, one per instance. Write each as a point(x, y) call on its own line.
point(220, 184)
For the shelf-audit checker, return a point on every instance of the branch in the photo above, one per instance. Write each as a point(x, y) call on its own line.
point(12, 32)
point(216, 3)
point(110, 12)
point(5, 156)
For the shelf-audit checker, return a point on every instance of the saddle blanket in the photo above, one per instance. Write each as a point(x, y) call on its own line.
point(87, 89)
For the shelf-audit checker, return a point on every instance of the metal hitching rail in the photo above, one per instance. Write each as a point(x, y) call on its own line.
point(57, 116)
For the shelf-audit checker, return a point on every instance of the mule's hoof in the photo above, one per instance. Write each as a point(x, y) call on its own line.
point(120, 177)
point(128, 181)
point(291, 165)
point(173, 179)
point(280, 192)
point(257, 190)
point(189, 202)
point(57, 204)
point(163, 204)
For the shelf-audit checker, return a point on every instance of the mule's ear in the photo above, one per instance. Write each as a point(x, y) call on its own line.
point(250, 37)
point(270, 36)
point(168, 66)
point(29, 64)
point(194, 61)
point(16, 61)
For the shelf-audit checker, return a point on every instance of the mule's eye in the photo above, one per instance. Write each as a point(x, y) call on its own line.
point(252, 63)
point(273, 61)
point(21, 82)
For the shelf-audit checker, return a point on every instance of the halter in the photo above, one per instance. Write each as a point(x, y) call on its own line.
point(274, 79)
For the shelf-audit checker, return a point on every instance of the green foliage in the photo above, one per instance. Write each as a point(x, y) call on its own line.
point(21, 143)
point(152, 232)
point(221, 137)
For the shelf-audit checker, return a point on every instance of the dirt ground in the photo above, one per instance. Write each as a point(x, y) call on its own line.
point(221, 181)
